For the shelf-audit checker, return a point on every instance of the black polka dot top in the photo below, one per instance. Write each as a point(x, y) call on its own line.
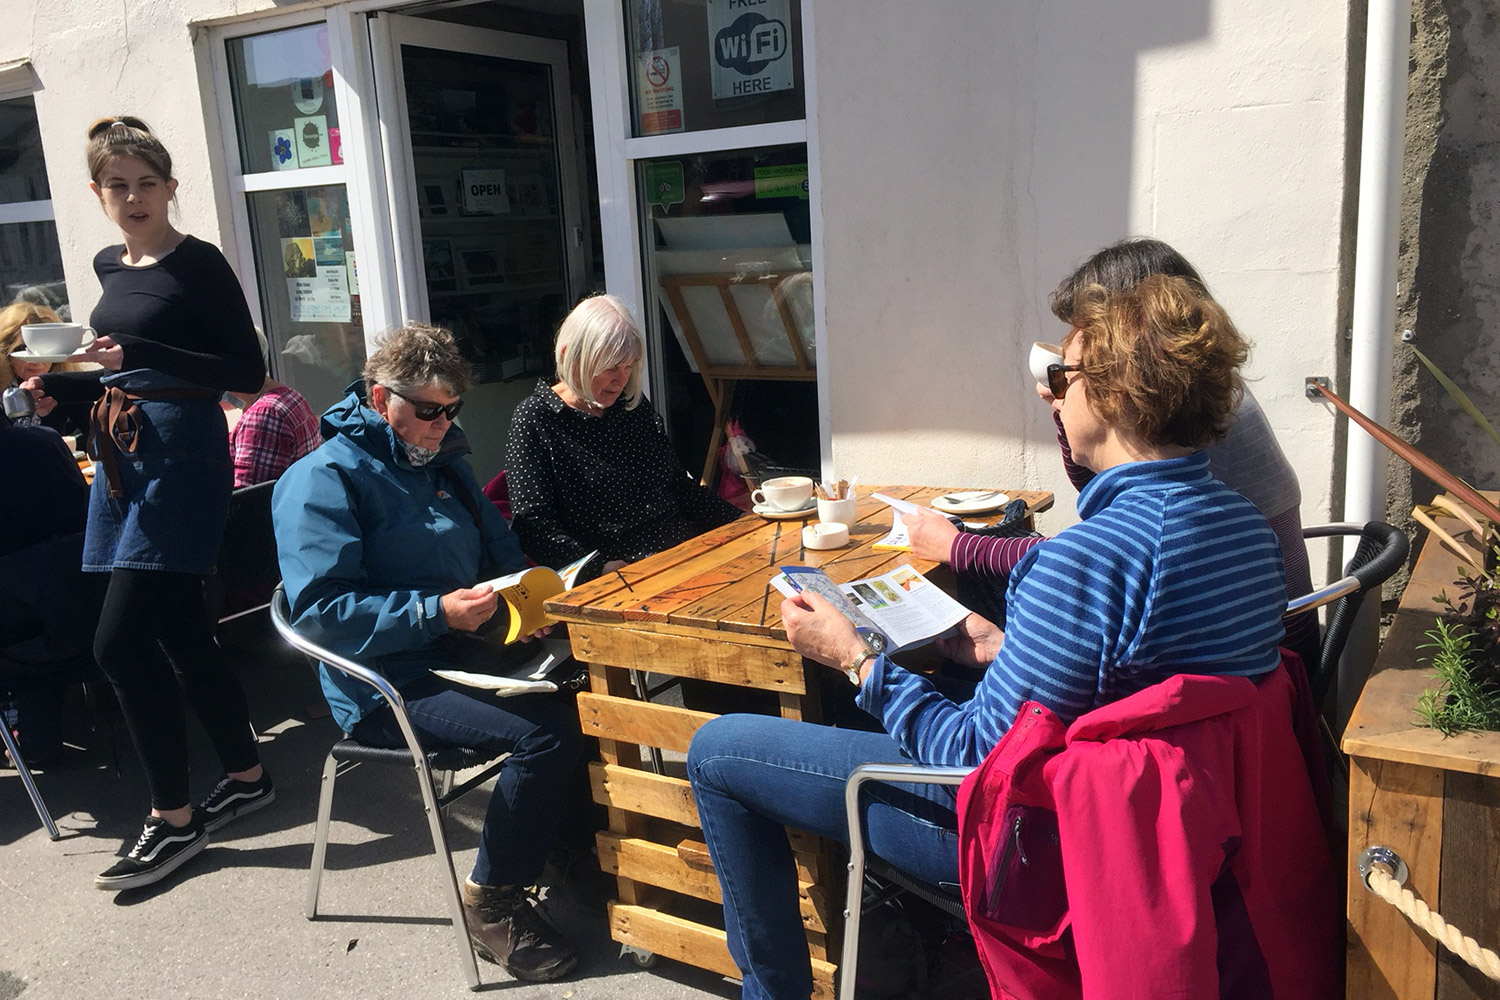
point(609, 482)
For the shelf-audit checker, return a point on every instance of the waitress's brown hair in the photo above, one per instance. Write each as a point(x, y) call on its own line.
point(125, 135)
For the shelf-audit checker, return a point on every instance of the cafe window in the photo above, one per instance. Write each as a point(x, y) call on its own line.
point(292, 174)
point(30, 256)
point(728, 240)
point(713, 64)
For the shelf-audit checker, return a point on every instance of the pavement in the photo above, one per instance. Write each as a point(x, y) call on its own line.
point(230, 923)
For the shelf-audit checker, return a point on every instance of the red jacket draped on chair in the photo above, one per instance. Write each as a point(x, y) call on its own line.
point(1182, 824)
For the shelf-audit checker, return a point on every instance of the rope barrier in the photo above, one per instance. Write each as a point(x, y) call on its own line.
point(1384, 872)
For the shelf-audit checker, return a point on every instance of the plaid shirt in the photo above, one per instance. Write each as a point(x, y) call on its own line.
point(275, 431)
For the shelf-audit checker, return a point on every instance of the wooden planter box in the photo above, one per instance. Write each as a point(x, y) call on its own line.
point(1435, 801)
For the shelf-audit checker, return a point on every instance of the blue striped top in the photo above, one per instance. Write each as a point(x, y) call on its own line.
point(1169, 571)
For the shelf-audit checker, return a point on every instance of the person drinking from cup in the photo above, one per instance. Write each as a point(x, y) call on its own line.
point(1136, 592)
point(174, 334)
point(1248, 458)
point(588, 466)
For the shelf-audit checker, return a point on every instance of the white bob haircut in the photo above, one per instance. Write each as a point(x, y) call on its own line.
point(596, 336)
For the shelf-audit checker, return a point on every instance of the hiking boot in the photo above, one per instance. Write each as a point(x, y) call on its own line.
point(232, 798)
point(507, 929)
point(160, 850)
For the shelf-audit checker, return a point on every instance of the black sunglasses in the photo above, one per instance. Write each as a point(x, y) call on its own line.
point(1057, 379)
point(429, 411)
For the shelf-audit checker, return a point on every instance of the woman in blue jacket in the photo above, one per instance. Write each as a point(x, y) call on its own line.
point(382, 532)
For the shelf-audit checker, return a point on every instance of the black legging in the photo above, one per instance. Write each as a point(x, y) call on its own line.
point(146, 613)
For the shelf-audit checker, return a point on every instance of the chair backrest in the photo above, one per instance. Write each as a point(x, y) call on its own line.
point(248, 569)
point(281, 612)
point(1382, 550)
point(498, 493)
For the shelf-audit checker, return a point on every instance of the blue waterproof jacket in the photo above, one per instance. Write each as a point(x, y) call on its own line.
point(369, 543)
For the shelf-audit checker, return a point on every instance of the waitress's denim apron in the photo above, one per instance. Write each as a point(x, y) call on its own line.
point(174, 488)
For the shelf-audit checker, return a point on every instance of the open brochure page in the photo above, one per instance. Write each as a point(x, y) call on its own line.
point(521, 676)
point(903, 604)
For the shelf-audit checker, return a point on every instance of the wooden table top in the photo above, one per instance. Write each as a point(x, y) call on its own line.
point(720, 581)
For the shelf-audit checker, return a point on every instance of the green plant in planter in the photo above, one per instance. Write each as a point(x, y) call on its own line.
point(1467, 658)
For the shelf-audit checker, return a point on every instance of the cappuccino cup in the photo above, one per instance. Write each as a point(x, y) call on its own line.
point(54, 338)
point(1042, 355)
point(784, 492)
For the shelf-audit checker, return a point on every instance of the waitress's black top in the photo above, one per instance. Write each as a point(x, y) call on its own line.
point(609, 482)
point(183, 323)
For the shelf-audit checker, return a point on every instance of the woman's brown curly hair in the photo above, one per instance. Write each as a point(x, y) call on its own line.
point(1161, 360)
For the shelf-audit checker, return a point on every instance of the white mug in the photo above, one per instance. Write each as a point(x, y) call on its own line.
point(54, 338)
point(784, 492)
point(1042, 355)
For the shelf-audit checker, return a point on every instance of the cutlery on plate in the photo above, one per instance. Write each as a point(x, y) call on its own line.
point(968, 497)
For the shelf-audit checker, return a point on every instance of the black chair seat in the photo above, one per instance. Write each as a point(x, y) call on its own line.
point(351, 751)
point(950, 903)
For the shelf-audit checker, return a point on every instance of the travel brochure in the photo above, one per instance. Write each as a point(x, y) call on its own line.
point(903, 605)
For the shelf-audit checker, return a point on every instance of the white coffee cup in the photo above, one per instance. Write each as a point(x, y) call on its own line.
point(1042, 355)
point(784, 492)
point(843, 511)
point(54, 338)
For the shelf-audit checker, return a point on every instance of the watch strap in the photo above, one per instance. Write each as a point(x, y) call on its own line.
point(857, 664)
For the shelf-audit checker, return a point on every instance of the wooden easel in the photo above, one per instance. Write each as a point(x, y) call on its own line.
point(720, 377)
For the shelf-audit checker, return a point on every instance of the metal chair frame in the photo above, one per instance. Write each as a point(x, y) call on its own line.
point(434, 771)
point(1381, 551)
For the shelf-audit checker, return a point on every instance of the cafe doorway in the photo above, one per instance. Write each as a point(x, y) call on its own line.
point(489, 165)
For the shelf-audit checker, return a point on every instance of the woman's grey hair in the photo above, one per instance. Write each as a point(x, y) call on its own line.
point(414, 355)
point(596, 336)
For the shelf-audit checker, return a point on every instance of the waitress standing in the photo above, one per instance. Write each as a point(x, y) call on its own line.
point(174, 333)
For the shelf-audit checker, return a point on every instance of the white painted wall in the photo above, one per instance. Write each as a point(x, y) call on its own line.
point(971, 154)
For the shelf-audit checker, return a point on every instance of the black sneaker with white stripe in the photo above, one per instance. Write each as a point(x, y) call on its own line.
point(161, 849)
point(232, 798)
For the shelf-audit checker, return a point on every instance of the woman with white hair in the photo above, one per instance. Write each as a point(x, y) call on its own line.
point(590, 468)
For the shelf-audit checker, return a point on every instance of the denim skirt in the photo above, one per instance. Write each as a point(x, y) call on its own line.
point(174, 493)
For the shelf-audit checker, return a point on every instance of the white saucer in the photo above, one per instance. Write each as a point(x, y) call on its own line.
point(52, 358)
point(966, 502)
point(770, 513)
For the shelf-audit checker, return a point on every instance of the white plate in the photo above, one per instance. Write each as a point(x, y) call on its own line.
point(970, 502)
point(770, 513)
point(88, 342)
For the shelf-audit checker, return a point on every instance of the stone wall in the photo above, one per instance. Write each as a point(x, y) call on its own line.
point(1450, 245)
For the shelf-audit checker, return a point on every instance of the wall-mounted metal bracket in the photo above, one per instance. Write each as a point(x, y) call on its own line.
point(1310, 384)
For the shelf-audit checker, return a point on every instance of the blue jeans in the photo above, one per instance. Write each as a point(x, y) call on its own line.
point(754, 774)
point(539, 731)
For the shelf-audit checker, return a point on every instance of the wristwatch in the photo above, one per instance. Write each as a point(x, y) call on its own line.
point(875, 644)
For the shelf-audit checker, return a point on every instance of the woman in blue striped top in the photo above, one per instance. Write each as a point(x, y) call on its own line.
point(1169, 571)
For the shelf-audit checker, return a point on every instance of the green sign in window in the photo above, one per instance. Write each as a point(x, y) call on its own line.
point(789, 181)
point(664, 185)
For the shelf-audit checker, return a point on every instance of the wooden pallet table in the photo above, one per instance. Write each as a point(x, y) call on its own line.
point(705, 610)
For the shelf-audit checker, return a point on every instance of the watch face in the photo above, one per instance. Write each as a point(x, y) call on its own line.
point(874, 641)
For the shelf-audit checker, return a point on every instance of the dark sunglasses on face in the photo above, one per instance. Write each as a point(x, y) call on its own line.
point(423, 410)
point(1057, 379)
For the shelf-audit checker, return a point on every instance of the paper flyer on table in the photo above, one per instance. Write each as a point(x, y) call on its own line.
point(903, 604)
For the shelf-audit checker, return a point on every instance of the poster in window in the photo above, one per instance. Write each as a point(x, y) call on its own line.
point(312, 141)
point(659, 91)
point(750, 50)
point(320, 298)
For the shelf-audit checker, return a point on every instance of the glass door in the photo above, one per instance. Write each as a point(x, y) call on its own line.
point(483, 172)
